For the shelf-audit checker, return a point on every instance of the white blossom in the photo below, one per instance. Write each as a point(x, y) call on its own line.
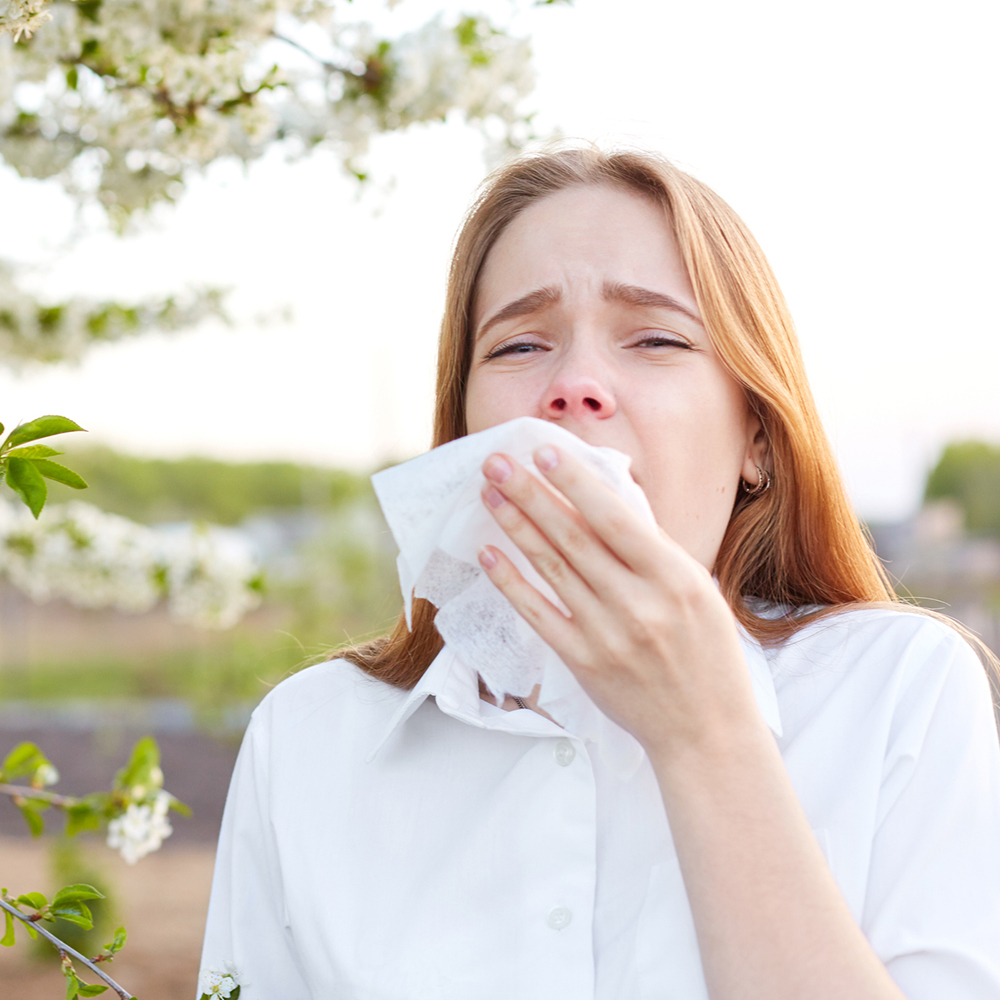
point(33, 328)
point(208, 575)
point(141, 829)
point(22, 17)
point(46, 774)
point(217, 984)
point(121, 103)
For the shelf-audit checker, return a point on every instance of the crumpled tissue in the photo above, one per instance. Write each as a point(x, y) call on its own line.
point(434, 508)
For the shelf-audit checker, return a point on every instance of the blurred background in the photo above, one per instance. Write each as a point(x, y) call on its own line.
point(224, 240)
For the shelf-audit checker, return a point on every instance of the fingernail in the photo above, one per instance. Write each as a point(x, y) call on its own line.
point(487, 558)
point(546, 458)
point(497, 469)
point(494, 497)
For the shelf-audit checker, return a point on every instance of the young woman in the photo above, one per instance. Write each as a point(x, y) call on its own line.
point(817, 810)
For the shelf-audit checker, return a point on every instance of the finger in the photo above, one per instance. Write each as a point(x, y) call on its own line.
point(641, 545)
point(542, 615)
point(559, 522)
point(575, 593)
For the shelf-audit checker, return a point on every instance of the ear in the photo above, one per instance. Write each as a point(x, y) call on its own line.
point(757, 453)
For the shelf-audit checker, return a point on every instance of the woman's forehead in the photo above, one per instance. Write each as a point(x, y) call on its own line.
point(592, 237)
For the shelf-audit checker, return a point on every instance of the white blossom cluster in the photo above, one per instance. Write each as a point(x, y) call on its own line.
point(208, 576)
point(213, 984)
point(22, 17)
point(31, 328)
point(120, 99)
point(141, 829)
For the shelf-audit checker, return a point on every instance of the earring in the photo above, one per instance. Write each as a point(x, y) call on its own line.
point(763, 482)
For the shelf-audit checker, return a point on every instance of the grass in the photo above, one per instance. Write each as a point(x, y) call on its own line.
point(229, 669)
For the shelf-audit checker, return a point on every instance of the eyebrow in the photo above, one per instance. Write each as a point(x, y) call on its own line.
point(612, 291)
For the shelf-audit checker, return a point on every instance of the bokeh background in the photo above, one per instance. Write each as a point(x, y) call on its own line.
point(858, 141)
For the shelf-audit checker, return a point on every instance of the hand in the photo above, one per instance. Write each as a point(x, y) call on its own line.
point(649, 637)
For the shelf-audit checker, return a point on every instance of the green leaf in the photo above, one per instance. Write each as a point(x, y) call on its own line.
point(74, 893)
point(8, 938)
point(75, 913)
point(179, 806)
point(88, 990)
point(118, 943)
point(33, 451)
point(30, 813)
point(41, 427)
point(25, 758)
point(26, 481)
point(33, 899)
point(53, 470)
point(72, 983)
point(81, 816)
point(138, 771)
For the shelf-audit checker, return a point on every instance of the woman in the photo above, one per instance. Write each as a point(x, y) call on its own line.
point(831, 832)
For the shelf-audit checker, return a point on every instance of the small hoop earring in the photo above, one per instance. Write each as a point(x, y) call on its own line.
point(763, 482)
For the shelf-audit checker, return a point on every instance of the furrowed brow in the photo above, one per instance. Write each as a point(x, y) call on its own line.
point(533, 302)
point(633, 295)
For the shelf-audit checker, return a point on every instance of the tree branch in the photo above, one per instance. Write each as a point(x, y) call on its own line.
point(65, 949)
point(328, 66)
point(25, 792)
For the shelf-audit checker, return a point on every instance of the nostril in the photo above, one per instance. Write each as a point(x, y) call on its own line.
point(558, 404)
point(591, 403)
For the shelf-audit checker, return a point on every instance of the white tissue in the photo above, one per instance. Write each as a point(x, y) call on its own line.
point(434, 508)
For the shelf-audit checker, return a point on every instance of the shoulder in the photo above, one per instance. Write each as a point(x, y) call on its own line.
point(331, 700)
point(880, 638)
point(880, 661)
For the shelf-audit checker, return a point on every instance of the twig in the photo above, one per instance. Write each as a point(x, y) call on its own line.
point(25, 792)
point(330, 67)
point(65, 949)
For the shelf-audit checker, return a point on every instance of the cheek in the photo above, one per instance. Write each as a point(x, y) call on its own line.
point(493, 400)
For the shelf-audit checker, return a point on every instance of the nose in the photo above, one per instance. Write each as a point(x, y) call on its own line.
point(579, 397)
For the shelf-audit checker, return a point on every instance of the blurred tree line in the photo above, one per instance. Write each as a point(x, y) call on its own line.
point(152, 490)
point(968, 473)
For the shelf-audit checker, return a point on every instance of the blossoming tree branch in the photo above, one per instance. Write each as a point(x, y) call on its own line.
point(119, 102)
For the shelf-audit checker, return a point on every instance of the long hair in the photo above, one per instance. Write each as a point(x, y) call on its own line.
point(799, 545)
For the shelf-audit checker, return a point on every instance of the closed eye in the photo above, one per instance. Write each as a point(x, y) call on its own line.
point(661, 340)
point(516, 347)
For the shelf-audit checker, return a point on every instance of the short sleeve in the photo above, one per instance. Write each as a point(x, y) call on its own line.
point(932, 911)
point(247, 935)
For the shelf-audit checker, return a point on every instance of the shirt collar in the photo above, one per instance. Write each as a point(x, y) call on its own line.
point(455, 686)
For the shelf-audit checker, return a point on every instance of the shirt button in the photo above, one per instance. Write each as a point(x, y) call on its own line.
point(564, 753)
point(559, 917)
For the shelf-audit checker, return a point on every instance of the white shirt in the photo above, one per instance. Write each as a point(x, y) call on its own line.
point(382, 844)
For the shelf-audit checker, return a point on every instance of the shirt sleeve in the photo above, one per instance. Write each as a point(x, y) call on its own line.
point(247, 935)
point(932, 911)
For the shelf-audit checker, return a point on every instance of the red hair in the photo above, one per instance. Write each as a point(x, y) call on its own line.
point(798, 545)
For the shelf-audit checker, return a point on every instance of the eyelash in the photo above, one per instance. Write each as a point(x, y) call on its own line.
point(655, 341)
point(668, 341)
point(508, 349)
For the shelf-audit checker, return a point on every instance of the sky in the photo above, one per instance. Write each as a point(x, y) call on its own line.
point(858, 141)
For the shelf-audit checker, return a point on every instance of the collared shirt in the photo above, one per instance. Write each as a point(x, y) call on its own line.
point(382, 844)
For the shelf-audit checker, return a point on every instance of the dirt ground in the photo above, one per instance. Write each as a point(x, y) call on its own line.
point(162, 901)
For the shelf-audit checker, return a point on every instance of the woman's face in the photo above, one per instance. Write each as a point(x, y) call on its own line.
point(585, 316)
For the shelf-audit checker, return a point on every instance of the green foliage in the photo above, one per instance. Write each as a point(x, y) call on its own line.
point(69, 912)
point(86, 894)
point(137, 782)
point(25, 760)
point(152, 490)
point(968, 472)
point(26, 469)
